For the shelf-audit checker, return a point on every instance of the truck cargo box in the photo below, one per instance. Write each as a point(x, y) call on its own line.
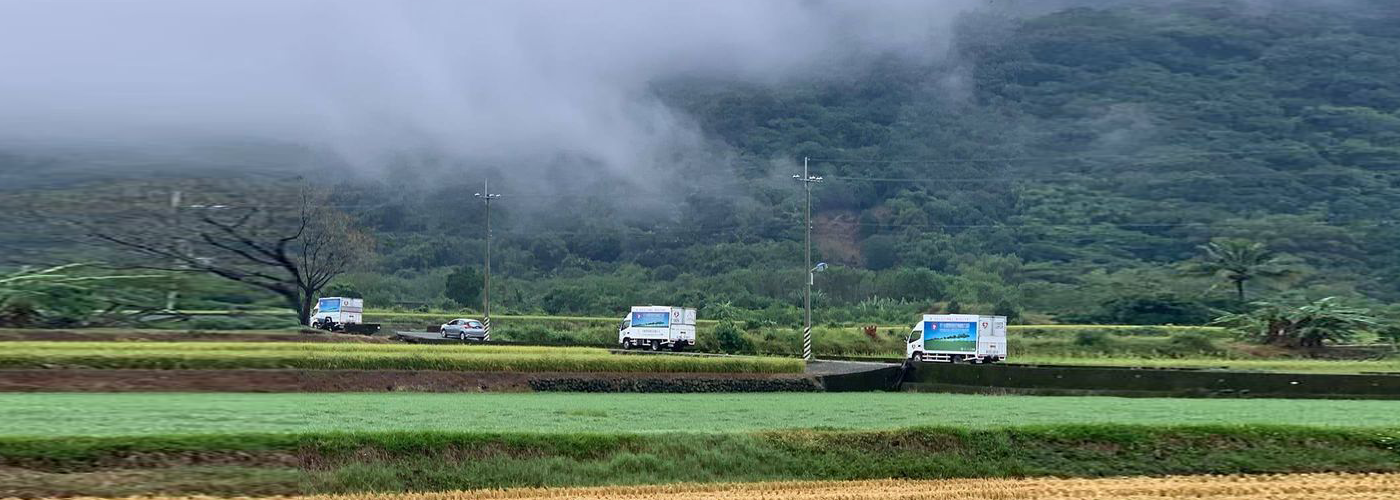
point(958, 337)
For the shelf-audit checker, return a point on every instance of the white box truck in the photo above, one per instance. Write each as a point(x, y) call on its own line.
point(341, 314)
point(657, 327)
point(958, 338)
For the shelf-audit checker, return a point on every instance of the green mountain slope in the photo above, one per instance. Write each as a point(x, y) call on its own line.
point(1048, 164)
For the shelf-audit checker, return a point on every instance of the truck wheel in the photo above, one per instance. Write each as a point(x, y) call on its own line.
point(656, 345)
point(917, 356)
point(626, 344)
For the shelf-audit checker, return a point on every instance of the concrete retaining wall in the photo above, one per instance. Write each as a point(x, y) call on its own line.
point(1112, 381)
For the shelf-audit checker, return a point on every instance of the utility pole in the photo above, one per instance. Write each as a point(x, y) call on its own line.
point(173, 295)
point(486, 196)
point(183, 248)
point(807, 179)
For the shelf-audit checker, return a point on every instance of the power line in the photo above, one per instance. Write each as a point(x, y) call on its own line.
point(1060, 177)
point(671, 231)
point(1148, 225)
point(1306, 149)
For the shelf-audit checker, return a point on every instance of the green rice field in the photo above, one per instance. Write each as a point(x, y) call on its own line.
point(89, 414)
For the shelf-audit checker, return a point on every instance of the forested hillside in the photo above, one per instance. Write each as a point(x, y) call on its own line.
point(1056, 164)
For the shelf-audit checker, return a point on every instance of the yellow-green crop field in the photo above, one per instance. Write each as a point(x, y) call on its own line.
point(264, 355)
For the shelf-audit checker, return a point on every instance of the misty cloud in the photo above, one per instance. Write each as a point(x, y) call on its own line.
point(479, 81)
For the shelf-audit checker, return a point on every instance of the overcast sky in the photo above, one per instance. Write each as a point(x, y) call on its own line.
point(478, 80)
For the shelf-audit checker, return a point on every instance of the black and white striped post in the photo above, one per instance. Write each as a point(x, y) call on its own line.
point(807, 343)
point(486, 196)
point(807, 179)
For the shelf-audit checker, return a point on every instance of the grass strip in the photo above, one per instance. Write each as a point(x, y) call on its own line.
point(427, 461)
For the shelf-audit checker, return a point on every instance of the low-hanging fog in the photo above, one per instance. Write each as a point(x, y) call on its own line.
point(487, 82)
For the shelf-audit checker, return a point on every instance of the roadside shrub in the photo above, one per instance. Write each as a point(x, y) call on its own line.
point(730, 339)
point(1190, 343)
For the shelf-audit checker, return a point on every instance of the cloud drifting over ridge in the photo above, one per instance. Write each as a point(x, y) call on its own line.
point(490, 80)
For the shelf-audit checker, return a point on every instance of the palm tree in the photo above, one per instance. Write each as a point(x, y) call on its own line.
point(1239, 261)
point(1309, 325)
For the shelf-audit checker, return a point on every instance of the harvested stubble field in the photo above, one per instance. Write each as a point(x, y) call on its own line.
point(1258, 487)
point(1269, 487)
point(350, 462)
point(352, 356)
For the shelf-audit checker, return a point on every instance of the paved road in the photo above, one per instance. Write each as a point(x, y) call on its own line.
point(425, 336)
point(818, 367)
point(822, 367)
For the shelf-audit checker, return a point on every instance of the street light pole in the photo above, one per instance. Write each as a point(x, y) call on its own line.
point(807, 179)
point(486, 196)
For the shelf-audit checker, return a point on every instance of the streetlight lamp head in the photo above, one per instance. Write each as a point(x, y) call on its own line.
point(821, 266)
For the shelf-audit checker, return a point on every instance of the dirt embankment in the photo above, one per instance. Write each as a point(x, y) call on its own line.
point(82, 380)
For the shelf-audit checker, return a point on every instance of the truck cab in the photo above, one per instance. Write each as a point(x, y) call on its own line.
point(957, 338)
point(657, 327)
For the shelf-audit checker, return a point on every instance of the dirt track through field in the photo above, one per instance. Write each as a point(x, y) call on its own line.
point(1270, 487)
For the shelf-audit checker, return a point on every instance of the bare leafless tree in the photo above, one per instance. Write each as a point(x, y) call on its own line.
point(284, 239)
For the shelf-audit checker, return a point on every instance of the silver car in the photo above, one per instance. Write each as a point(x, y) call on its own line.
point(463, 328)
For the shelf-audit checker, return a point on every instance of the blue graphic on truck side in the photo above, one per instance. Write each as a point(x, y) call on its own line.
point(651, 319)
point(957, 336)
